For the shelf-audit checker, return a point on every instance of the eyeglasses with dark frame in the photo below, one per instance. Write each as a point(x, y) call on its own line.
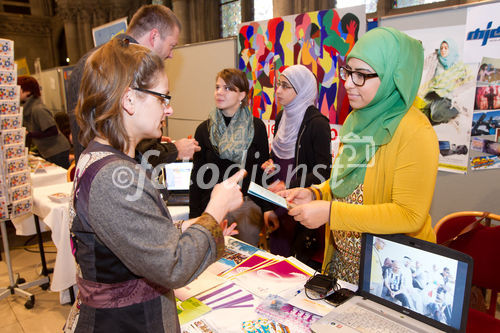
point(165, 98)
point(285, 85)
point(357, 77)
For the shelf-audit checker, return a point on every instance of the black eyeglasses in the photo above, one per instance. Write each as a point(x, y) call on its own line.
point(165, 98)
point(285, 86)
point(358, 78)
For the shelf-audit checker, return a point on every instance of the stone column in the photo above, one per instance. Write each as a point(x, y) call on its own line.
point(180, 9)
point(68, 16)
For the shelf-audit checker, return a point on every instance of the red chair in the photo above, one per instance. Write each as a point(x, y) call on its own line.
point(471, 233)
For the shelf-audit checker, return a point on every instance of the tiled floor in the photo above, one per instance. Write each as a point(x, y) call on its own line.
point(48, 315)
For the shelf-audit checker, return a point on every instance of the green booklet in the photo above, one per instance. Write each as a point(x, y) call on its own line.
point(190, 309)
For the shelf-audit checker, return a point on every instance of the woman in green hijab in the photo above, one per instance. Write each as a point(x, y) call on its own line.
point(383, 179)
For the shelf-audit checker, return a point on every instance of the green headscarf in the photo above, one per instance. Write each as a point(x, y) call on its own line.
point(398, 60)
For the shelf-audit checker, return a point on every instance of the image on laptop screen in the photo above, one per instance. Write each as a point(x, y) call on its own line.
point(178, 175)
point(422, 277)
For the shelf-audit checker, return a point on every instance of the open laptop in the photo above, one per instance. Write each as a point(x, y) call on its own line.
point(178, 178)
point(435, 300)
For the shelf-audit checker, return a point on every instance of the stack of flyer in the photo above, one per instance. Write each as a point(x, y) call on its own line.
point(240, 292)
point(15, 181)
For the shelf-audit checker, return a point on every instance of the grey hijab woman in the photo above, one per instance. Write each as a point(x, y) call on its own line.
point(304, 83)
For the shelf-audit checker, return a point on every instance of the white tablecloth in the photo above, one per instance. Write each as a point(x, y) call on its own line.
point(49, 176)
point(56, 216)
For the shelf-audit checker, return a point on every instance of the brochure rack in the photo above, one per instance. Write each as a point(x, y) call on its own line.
point(15, 181)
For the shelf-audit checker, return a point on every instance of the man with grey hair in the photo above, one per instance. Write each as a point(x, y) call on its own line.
point(157, 28)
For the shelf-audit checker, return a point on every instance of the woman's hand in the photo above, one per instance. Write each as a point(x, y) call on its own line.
point(268, 166)
point(277, 186)
point(297, 195)
point(226, 196)
point(311, 215)
point(229, 231)
point(271, 221)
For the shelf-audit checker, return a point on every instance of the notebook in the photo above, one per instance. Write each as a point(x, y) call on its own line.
point(178, 178)
point(426, 288)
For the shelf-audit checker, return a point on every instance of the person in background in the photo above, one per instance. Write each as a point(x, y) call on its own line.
point(383, 178)
point(377, 277)
point(394, 285)
point(301, 144)
point(129, 253)
point(41, 125)
point(157, 28)
point(62, 121)
point(231, 138)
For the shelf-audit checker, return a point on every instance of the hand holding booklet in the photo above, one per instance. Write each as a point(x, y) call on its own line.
point(265, 194)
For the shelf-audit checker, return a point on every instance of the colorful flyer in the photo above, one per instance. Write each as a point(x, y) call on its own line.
point(16, 164)
point(190, 309)
point(6, 47)
point(13, 136)
point(4, 211)
point(10, 93)
point(485, 162)
point(253, 262)
point(20, 192)
point(8, 77)
point(7, 63)
point(3, 191)
point(10, 122)
point(18, 178)
point(21, 207)
point(9, 108)
point(14, 151)
point(276, 278)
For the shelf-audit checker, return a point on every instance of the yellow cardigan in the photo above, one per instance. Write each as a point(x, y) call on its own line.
point(397, 189)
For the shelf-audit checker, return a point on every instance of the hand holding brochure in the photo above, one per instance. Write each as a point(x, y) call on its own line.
point(261, 192)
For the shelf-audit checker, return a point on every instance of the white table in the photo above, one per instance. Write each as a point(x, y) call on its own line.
point(49, 175)
point(56, 216)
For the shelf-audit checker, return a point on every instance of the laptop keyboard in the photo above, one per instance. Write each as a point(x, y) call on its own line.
point(366, 321)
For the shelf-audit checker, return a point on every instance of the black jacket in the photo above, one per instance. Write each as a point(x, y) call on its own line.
point(209, 168)
point(311, 149)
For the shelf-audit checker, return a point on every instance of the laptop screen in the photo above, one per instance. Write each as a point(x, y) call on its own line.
point(428, 282)
point(178, 176)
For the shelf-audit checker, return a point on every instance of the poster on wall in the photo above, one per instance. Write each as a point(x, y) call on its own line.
point(485, 132)
point(106, 32)
point(446, 93)
point(319, 40)
point(482, 37)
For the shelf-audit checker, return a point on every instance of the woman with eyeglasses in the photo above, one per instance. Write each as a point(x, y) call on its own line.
point(230, 139)
point(130, 254)
point(383, 179)
point(300, 156)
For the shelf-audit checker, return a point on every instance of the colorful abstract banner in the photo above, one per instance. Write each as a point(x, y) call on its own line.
point(319, 40)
